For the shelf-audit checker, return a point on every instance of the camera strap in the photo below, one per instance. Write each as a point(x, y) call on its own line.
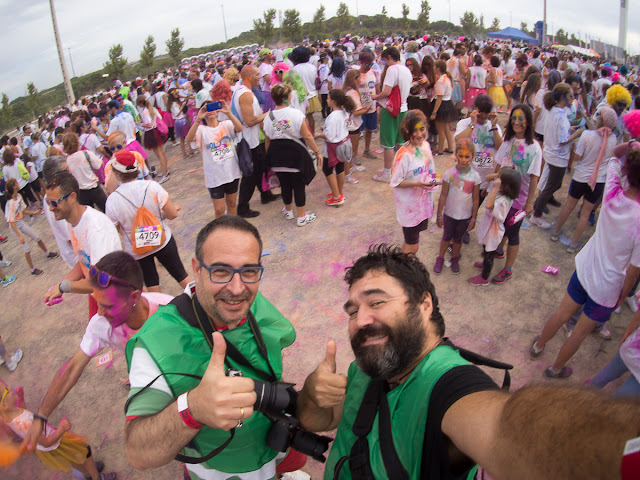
point(208, 328)
point(375, 400)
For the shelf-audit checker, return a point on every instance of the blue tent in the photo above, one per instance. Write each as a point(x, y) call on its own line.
point(513, 34)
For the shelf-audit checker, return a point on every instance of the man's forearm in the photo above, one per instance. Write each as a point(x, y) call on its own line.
point(561, 433)
point(154, 441)
point(65, 379)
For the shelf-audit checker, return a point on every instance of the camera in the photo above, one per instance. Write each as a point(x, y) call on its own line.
point(213, 106)
point(277, 401)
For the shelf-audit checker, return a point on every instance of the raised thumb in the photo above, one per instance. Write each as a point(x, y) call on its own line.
point(218, 353)
point(330, 357)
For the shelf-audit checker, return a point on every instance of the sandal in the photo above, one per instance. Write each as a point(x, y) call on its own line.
point(534, 352)
point(563, 373)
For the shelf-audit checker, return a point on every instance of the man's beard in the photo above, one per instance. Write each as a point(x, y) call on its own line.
point(210, 306)
point(405, 342)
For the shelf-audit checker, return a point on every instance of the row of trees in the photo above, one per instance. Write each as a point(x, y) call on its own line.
point(116, 64)
point(291, 27)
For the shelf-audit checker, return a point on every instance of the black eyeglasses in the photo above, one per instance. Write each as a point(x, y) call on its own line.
point(223, 274)
point(279, 71)
point(117, 147)
point(104, 279)
point(55, 203)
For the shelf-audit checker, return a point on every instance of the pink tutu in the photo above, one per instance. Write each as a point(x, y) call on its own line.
point(136, 147)
point(471, 95)
point(168, 119)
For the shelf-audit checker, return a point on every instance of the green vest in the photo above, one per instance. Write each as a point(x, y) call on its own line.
point(175, 346)
point(408, 406)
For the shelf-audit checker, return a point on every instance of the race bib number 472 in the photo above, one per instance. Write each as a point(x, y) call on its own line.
point(148, 236)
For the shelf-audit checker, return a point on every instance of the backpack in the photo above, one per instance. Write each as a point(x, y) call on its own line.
point(394, 102)
point(147, 233)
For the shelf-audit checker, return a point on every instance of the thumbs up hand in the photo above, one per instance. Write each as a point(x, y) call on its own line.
point(220, 401)
point(324, 386)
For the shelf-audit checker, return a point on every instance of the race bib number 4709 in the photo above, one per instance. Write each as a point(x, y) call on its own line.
point(148, 236)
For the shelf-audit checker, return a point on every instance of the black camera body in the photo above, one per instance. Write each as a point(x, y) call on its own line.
point(277, 401)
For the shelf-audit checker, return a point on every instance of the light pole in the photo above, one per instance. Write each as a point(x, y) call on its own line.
point(449, 11)
point(544, 24)
point(63, 65)
point(225, 24)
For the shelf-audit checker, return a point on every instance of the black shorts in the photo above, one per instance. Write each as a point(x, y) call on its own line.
point(327, 170)
point(35, 186)
point(412, 234)
point(539, 137)
point(454, 229)
point(578, 190)
point(169, 257)
point(220, 191)
point(512, 232)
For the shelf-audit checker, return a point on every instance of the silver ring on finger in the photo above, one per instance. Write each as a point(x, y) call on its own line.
point(241, 419)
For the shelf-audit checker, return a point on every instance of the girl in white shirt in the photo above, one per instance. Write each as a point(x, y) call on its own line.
point(82, 164)
point(336, 134)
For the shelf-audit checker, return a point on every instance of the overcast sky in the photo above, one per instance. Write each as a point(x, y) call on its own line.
point(89, 28)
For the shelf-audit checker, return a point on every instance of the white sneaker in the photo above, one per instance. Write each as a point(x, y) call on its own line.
point(164, 178)
point(632, 303)
point(13, 361)
point(308, 218)
point(604, 333)
point(349, 179)
point(382, 177)
point(540, 222)
point(5, 263)
point(288, 214)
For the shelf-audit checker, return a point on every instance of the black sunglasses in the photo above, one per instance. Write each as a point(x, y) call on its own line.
point(117, 147)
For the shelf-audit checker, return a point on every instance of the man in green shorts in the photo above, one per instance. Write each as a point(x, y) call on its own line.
point(395, 75)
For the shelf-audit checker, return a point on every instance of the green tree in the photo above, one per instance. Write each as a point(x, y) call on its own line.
point(115, 65)
point(291, 26)
point(344, 20)
point(385, 18)
point(524, 27)
point(175, 45)
point(495, 25)
point(317, 26)
point(423, 16)
point(562, 37)
point(469, 24)
point(148, 53)
point(405, 17)
point(481, 28)
point(264, 26)
point(6, 113)
point(33, 100)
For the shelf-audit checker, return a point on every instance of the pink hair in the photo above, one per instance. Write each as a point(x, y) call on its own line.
point(221, 91)
point(631, 121)
point(278, 66)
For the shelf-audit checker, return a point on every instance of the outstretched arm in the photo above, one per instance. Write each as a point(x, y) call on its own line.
point(543, 432)
point(66, 377)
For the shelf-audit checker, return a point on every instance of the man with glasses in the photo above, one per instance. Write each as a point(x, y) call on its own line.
point(123, 308)
point(182, 355)
point(91, 232)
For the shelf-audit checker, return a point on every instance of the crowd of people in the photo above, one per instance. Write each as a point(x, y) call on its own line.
point(271, 120)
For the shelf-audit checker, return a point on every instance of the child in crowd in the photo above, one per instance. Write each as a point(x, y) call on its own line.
point(413, 179)
point(13, 213)
point(336, 134)
point(58, 449)
point(506, 188)
point(459, 203)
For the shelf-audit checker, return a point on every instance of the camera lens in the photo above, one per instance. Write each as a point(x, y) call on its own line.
point(272, 397)
point(310, 444)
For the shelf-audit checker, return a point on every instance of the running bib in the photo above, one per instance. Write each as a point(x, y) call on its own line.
point(483, 159)
point(366, 100)
point(148, 236)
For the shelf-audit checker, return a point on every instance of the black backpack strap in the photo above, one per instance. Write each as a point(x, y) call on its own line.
point(477, 359)
point(392, 463)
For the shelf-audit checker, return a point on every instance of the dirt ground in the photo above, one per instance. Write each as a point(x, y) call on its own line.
point(303, 279)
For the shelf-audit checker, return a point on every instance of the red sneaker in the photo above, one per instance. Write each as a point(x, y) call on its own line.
point(502, 277)
point(479, 281)
point(334, 202)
